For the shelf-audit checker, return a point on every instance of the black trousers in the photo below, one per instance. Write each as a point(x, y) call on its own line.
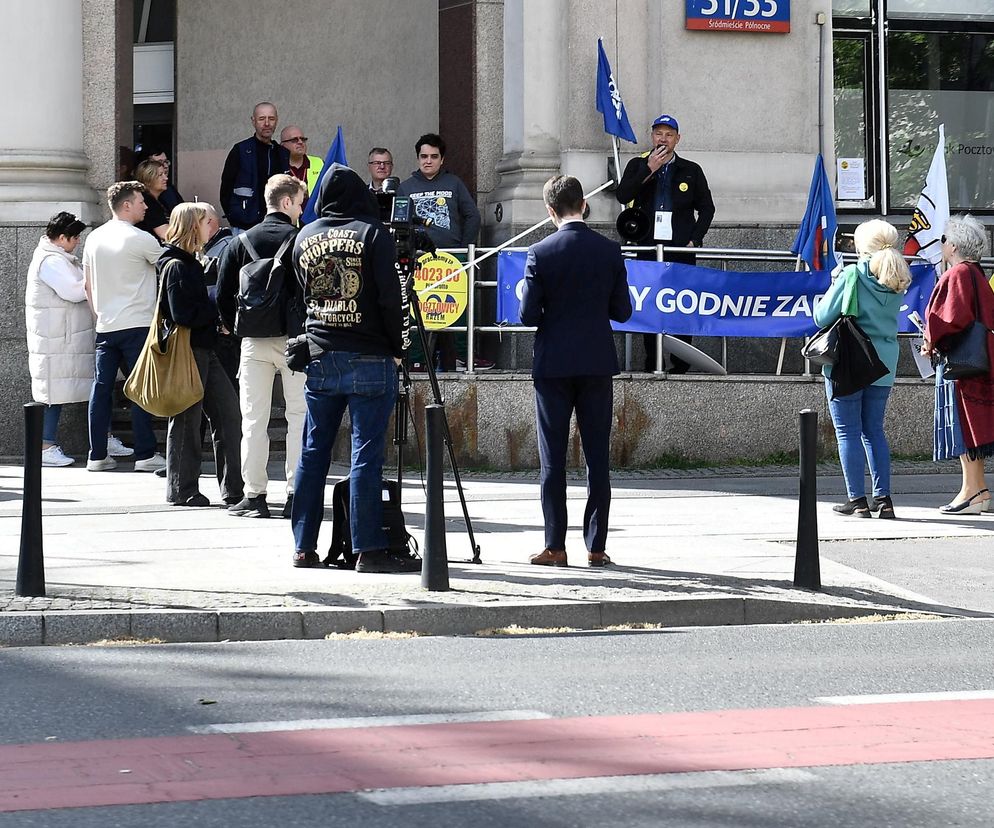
point(555, 401)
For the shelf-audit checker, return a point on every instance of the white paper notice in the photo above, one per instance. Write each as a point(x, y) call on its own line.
point(923, 363)
point(852, 186)
point(664, 226)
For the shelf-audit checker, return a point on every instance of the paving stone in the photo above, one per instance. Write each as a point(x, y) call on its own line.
point(86, 627)
point(679, 612)
point(464, 620)
point(21, 629)
point(259, 624)
point(319, 623)
point(175, 625)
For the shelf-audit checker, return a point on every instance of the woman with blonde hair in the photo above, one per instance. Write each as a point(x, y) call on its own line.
point(155, 176)
point(881, 278)
point(964, 408)
point(185, 301)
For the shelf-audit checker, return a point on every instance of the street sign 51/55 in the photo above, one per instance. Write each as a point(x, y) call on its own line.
point(752, 16)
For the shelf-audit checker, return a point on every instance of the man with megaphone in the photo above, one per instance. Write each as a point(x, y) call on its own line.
point(669, 203)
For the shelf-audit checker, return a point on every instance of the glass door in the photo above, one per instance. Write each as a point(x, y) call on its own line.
point(855, 122)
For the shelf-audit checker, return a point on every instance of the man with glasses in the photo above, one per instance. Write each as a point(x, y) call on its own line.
point(380, 167)
point(304, 167)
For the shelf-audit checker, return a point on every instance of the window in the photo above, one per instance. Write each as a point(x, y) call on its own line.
point(155, 21)
point(939, 59)
point(853, 108)
point(941, 78)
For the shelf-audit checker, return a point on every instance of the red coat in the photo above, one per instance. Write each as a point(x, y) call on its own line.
point(951, 310)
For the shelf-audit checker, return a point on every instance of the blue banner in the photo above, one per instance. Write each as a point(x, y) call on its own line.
point(700, 301)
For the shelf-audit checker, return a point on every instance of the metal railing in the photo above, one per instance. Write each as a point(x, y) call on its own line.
point(723, 256)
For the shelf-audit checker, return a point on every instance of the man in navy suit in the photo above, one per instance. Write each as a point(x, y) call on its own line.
point(575, 284)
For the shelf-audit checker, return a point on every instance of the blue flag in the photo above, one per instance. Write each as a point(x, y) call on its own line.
point(336, 155)
point(609, 101)
point(815, 242)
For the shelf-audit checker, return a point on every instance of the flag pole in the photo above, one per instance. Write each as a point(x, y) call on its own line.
point(617, 159)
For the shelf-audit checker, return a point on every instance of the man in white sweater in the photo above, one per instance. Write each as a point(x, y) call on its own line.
point(119, 275)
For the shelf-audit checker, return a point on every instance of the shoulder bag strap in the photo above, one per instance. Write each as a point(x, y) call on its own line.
point(976, 291)
point(250, 249)
point(850, 304)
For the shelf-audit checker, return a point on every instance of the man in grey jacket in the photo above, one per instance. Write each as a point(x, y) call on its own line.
point(453, 220)
point(440, 197)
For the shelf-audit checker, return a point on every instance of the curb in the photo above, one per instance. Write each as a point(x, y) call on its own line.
point(29, 629)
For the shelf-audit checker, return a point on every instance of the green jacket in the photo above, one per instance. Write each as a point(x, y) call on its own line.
point(878, 309)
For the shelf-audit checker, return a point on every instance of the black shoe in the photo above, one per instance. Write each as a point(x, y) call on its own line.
point(288, 507)
point(250, 507)
point(307, 560)
point(387, 561)
point(197, 500)
point(858, 507)
point(885, 506)
point(160, 472)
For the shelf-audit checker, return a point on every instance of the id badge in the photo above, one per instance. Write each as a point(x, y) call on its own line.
point(664, 226)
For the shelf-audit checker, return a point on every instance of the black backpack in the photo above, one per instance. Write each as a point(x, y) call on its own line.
point(261, 304)
point(340, 552)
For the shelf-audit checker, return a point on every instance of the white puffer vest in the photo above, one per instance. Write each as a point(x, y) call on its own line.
point(60, 336)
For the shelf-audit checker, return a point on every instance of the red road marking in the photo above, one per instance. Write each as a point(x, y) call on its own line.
point(188, 768)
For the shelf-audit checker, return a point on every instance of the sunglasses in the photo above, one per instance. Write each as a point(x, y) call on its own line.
point(299, 139)
point(943, 240)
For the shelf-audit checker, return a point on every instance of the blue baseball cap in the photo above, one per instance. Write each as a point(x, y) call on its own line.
point(666, 120)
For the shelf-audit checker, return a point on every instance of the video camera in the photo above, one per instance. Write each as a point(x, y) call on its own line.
point(406, 226)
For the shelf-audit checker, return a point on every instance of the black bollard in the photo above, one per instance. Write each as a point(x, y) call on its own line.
point(435, 567)
point(31, 563)
point(807, 569)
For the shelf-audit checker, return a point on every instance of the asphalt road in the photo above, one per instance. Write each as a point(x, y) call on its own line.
point(56, 697)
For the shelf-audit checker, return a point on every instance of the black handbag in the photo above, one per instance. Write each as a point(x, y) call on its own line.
point(858, 364)
point(823, 347)
point(965, 354)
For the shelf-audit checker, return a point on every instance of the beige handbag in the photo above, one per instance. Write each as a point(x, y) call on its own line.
point(165, 380)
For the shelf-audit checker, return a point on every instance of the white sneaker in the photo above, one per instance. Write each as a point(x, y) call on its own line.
point(106, 464)
point(151, 464)
point(115, 448)
point(54, 456)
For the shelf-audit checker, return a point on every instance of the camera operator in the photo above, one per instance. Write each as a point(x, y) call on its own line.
point(356, 333)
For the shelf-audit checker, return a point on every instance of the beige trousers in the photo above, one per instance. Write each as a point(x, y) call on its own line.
point(261, 360)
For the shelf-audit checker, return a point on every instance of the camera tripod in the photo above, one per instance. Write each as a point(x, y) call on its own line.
point(403, 409)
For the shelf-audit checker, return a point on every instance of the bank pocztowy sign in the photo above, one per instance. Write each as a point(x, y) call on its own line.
point(757, 16)
point(682, 299)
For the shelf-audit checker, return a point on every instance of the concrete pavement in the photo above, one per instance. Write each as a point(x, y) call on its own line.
point(700, 547)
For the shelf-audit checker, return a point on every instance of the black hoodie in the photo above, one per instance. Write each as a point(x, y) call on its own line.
point(345, 263)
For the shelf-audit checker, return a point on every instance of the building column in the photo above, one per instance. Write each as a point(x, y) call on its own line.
point(43, 166)
point(534, 40)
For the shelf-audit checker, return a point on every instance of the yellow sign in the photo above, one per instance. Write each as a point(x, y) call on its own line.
point(684, 186)
point(442, 302)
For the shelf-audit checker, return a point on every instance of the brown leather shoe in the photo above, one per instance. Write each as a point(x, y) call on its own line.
point(597, 559)
point(549, 557)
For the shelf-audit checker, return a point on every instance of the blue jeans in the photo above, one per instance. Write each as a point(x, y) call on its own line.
point(117, 349)
point(50, 424)
point(859, 429)
point(367, 386)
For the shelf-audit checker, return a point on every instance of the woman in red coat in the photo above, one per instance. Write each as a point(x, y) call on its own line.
point(965, 413)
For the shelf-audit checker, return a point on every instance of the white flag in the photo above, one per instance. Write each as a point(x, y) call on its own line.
point(932, 213)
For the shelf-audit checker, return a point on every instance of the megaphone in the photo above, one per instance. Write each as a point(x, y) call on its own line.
point(633, 225)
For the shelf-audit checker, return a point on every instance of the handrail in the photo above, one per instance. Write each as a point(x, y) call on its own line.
point(723, 255)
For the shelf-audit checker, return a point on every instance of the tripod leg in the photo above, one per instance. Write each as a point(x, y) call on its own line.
point(436, 391)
